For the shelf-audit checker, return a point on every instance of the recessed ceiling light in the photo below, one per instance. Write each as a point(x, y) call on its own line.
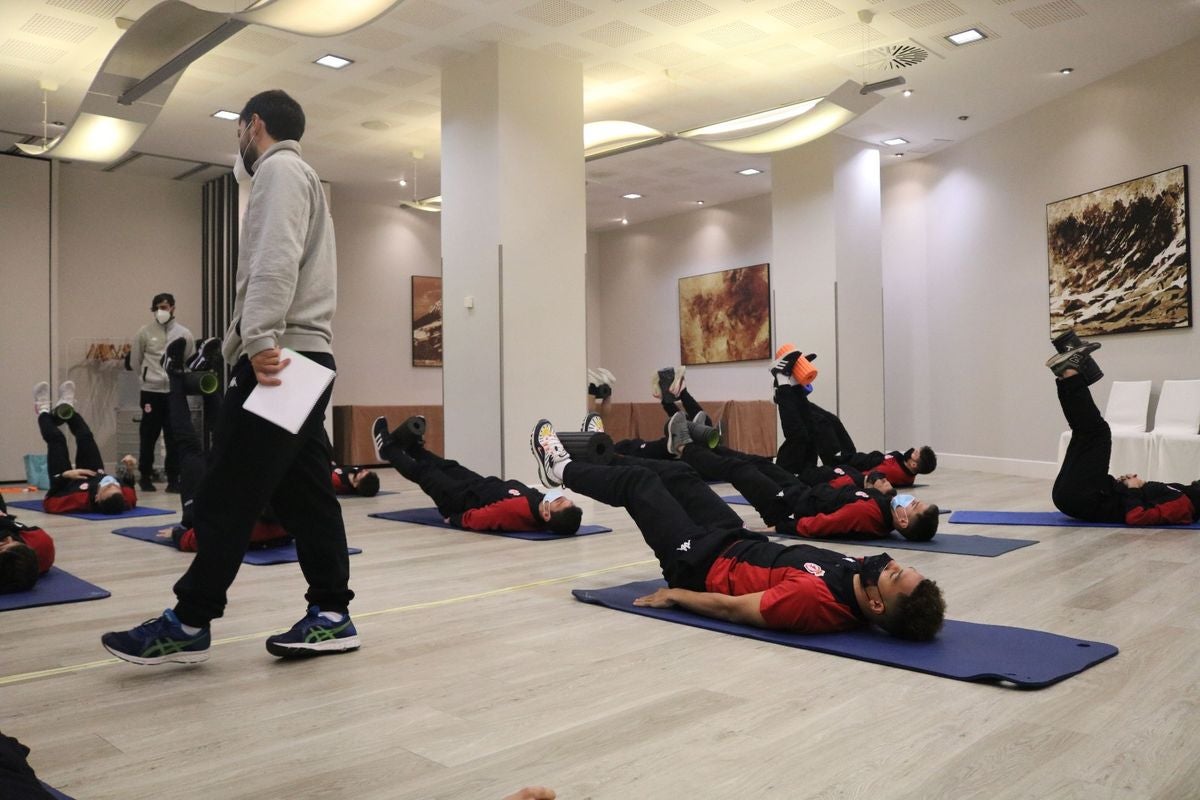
point(907, 92)
point(897, 155)
point(403, 182)
point(376, 125)
point(333, 62)
point(749, 171)
point(966, 37)
point(895, 141)
point(963, 118)
point(223, 114)
point(632, 196)
point(699, 202)
point(624, 220)
point(1066, 70)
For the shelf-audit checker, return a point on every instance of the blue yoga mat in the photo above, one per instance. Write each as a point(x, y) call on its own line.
point(738, 500)
point(1048, 518)
point(136, 511)
point(949, 543)
point(965, 651)
point(431, 517)
point(353, 496)
point(55, 793)
point(56, 586)
point(284, 554)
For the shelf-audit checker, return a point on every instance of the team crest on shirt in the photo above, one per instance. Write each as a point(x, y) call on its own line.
point(147, 408)
point(514, 492)
point(814, 569)
point(83, 485)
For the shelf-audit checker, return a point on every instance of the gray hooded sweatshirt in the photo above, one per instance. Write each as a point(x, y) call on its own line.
point(287, 265)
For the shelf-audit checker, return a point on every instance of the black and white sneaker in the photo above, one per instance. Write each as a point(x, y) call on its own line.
point(1078, 359)
point(592, 423)
point(548, 451)
point(678, 434)
point(207, 357)
point(380, 437)
point(172, 357)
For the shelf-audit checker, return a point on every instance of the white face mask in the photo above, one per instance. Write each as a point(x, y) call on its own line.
point(108, 480)
point(554, 494)
point(162, 315)
point(242, 173)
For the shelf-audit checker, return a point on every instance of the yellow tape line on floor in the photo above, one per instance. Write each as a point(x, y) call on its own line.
point(47, 673)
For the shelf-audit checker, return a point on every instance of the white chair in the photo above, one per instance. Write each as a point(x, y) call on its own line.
point(1126, 412)
point(1176, 434)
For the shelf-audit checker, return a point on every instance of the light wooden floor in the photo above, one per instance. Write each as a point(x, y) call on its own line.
point(479, 674)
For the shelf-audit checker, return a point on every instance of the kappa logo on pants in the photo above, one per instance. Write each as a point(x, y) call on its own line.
point(685, 547)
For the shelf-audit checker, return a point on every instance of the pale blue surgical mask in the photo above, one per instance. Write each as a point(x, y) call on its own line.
point(108, 480)
point(902, 501)
point(554, 494)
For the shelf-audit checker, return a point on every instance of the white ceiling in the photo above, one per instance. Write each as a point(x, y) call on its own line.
point(670, 64)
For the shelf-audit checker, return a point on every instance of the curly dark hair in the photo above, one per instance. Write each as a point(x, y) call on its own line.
point(18, 569)
point(565, 520)
point(368, 485)
point(926, 460)
point(918, 615)
point(113, 504)
point(283, 116)
point(923, 526)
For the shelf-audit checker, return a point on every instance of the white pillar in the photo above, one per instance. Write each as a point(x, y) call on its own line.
point(513, 245)
point(826, 269)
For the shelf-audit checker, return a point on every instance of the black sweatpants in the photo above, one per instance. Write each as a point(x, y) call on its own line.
point(1084, 489)
point(58, 456)
point(253, 462)
point(690, 407)
point(449, 484)
point(684, 522)
point(809, 431)
point(156, 419)
point(188, 445)
point(757, 479)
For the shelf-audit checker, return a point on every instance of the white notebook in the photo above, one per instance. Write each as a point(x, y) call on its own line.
point(289, 404)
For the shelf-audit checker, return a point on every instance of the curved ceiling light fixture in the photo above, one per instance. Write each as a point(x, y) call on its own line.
point(315, 17)
point(763, 132)
point(611, 136)
point(138, 74)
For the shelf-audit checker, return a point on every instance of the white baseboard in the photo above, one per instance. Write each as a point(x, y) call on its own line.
point(1004, 466)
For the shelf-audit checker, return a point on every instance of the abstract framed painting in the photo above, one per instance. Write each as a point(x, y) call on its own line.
point(426, 321)
point(1120, 257)
point(725, 316)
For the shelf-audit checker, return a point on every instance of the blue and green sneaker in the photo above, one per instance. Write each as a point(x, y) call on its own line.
point(314, 636)
point(157, 641)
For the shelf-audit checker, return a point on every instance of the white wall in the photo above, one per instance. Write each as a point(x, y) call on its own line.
point(965, 269)
point(379, 249)
point(636, 305)
point(25, 281)
point(121, 240)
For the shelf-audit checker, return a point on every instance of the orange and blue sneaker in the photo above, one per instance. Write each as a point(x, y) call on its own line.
point(315, 635)
point(157, 641)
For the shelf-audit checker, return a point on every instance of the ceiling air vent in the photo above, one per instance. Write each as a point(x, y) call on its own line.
point(896, 57)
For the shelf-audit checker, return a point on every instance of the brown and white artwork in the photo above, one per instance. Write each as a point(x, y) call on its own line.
point(426, 321)
point(725, 316)
point(1120, 258)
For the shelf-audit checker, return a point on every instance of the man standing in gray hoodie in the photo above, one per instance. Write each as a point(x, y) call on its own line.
point(286, 296)
point(145, 358)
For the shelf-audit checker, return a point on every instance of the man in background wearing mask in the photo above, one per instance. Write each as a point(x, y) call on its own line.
point(286, 294)
point(468, 500)
point(717, 568)
point(145, 358)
